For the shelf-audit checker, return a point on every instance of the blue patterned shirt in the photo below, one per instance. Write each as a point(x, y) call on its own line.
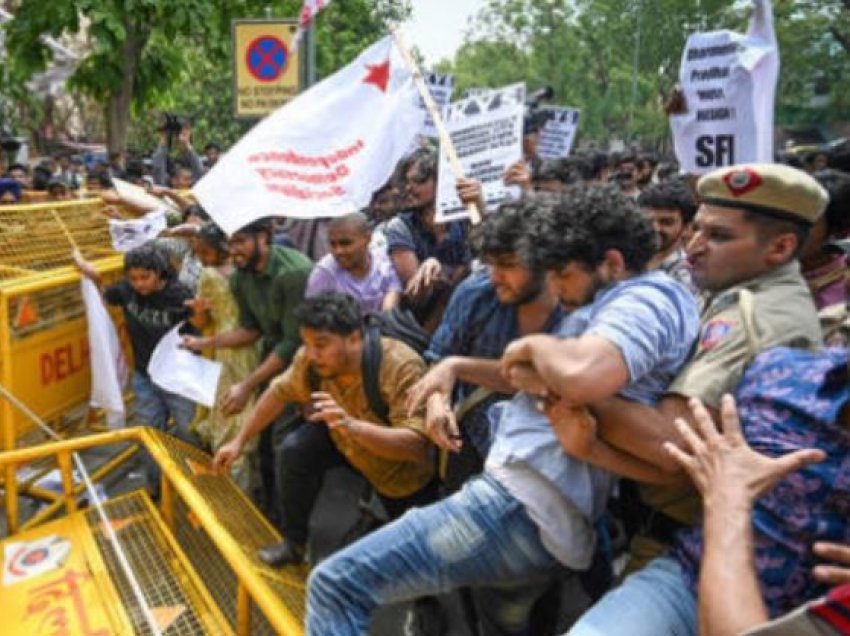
point(791, 399)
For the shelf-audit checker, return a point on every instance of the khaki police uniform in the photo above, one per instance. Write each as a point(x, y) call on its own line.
point(774, 309)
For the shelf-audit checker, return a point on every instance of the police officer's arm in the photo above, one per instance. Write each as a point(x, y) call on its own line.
point(575, 429)
point(642, 430)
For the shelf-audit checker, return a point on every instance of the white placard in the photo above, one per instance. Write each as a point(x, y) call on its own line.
point(729, 84)
point(487, 135)
point(440, 85)
point(139, 198)
point(559, 132)
point(180, 371)
point(127, 235)
point(109, 371)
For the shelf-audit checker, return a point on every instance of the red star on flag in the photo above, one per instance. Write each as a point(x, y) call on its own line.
point(379, 75)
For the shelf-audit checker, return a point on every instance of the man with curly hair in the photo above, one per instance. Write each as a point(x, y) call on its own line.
point(532, 510)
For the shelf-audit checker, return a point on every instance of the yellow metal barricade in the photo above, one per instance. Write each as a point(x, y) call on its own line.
point(43, 339)
point(194, 557)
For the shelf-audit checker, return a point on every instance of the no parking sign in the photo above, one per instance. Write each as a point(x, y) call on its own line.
point(265, 69)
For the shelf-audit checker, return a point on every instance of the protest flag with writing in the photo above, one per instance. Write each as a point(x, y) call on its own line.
point(324, 153)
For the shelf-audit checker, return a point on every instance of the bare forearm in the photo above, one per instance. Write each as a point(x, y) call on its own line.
point(481, 372)
point(270, 367)
point(637, 429)
point(578, 370)
point(730, 600)
point(267, 408)
point(398, 444)
point(234, 338)
point(624, 464)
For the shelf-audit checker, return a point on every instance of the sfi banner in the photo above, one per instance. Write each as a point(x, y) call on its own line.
point(729, 82)
point(265, 68)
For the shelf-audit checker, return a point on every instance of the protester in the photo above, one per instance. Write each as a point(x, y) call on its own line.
point(626, 175)
point(57, 190)
point(188, 170)
point(761, 519)
point(672, 208)
point(748, 232)
point(153, 302)
point(216, 311)
point(489, 309)
point(824, 262)
point(268, 285)
point(430, 258)
point(389, 449)
point(531, 512)
point(212, 151)
point(20, 173)
point(10, 191)
point(354, 268)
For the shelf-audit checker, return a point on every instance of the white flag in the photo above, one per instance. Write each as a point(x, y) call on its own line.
point(178, 370)
point(324, 153)
point(729, 84)
point(109, 372)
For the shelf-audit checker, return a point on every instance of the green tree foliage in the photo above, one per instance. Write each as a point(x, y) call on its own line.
point(148, 56)
point(587, 50)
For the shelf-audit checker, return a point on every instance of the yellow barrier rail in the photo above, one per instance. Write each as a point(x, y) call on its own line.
point(211, 521)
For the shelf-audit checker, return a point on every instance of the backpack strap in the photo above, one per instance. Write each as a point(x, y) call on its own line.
point(371, 369)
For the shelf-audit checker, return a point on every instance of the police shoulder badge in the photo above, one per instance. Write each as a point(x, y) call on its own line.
point(714, 332)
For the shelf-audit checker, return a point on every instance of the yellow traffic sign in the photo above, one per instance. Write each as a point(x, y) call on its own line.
point(266, 71)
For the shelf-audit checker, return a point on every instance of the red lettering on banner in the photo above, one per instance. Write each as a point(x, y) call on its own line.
point(63, 362)
point(290, 179)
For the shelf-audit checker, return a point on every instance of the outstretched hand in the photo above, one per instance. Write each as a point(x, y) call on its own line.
point(722, 465)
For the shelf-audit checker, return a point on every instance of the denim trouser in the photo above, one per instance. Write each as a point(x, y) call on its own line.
point(152, 407)
point(651, 602)
point(478, 536)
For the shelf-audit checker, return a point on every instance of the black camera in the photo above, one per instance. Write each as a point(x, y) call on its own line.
point(173, 125)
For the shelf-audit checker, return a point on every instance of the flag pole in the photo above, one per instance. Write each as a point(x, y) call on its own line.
point(446, 144)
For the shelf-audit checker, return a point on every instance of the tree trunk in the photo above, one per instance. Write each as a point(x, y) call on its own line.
point(119, 102)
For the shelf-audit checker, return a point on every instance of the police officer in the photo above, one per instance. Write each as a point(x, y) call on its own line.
point(752, 221)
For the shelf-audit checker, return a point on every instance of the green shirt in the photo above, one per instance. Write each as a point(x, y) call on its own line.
point(267, 299)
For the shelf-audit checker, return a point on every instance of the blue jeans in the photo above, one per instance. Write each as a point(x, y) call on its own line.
point(478, 536)
point(153, 407)
point(651, 602)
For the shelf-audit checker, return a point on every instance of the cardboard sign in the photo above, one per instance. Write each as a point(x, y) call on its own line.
point(729, 84)
point(559, 132)
point(265, 68)
point(487, 134)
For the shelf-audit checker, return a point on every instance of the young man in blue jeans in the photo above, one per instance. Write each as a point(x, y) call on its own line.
point(533, 508)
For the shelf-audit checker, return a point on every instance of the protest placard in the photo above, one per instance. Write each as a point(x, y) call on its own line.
point(440, 86)
point(729, 83)
point(180, 371)
point(487, 134)
point(559, 132)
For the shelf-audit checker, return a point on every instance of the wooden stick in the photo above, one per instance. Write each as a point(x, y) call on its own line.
point(446, 144)
point(65, 230)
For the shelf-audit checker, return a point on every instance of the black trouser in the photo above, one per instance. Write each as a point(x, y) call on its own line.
point(306, 454)
point(270, 439)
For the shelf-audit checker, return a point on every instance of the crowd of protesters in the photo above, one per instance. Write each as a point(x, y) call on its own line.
point(549, 395)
